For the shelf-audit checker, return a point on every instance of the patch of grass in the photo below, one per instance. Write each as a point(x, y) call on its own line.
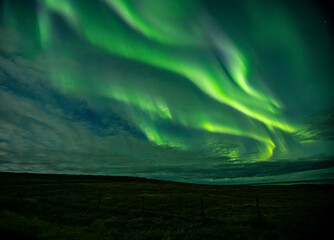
point(36, 206)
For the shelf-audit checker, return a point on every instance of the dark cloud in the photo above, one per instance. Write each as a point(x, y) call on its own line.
point(239, 170)
point(319, 126)
point(27, 80)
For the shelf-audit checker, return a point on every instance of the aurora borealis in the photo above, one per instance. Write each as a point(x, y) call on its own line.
point(197, 91)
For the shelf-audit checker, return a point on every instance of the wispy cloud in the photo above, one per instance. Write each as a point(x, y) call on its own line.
point(319, 126)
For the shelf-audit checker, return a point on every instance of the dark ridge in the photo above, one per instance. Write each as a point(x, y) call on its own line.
point(50, 178)
point(71, 178)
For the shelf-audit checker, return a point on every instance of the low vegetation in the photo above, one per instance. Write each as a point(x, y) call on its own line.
point(34, 206)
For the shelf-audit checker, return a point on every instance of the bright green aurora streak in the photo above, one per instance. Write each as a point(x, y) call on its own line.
point(183, 42)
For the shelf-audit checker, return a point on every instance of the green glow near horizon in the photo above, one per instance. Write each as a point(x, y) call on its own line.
point(142, 31)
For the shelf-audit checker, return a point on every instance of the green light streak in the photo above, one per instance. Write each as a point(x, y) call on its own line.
point(44, 28)
point(63, 7)
point(143, 101)
point(159, 45)
point(158, 25)
point(209, 80)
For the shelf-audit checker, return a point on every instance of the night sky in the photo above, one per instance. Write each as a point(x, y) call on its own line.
point(217, 92)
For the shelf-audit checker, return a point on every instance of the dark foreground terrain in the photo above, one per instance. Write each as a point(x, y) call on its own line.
point(86, 207)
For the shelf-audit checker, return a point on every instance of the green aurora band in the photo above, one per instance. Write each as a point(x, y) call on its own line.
point(186, 44)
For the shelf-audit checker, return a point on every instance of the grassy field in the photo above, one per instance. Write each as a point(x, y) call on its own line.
point(36, 206)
